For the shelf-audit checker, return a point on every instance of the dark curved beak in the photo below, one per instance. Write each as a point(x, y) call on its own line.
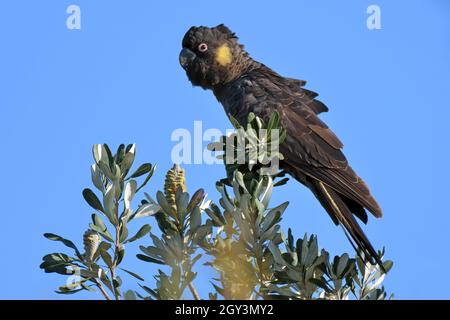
point(186, 58)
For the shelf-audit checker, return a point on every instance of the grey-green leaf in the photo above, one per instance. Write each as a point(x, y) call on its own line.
point(132, 274)
point(129, 295)
point(143, 169)
point(67, 243)
point(195, 219)
point(142, 232)
point(148, 259)
point(92, 199)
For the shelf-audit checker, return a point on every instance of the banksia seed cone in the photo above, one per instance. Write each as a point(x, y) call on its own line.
point(174, 180)
point(91, 241)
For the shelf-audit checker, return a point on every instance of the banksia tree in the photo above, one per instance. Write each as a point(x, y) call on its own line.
point(240, 237)
point(105, 251)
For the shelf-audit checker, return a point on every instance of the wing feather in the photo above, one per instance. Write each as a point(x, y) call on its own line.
point(310, 145)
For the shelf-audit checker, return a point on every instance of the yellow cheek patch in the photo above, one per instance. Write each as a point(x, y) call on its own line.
point(223, 55)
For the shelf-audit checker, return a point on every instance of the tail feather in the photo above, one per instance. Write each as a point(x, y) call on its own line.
point(342, 211)
point(341, 214)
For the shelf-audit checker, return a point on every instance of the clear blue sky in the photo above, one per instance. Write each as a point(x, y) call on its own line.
point(117, 80)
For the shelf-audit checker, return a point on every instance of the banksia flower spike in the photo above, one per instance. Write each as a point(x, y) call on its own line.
point(174, 180)
point(91, 241)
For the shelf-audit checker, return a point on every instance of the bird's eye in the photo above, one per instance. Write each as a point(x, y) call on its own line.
point(202, 47)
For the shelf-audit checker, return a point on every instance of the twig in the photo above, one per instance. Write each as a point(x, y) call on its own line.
point(193, 291)
point(102, 290)
point(114, 265)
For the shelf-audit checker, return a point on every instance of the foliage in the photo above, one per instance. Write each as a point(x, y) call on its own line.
point(179, 220)
point(104, 252)
point(241, 237)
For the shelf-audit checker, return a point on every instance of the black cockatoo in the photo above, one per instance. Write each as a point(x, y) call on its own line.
point(213, 59)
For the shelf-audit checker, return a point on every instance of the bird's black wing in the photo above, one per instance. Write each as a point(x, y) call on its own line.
point(312, 151)
point(309, 144)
